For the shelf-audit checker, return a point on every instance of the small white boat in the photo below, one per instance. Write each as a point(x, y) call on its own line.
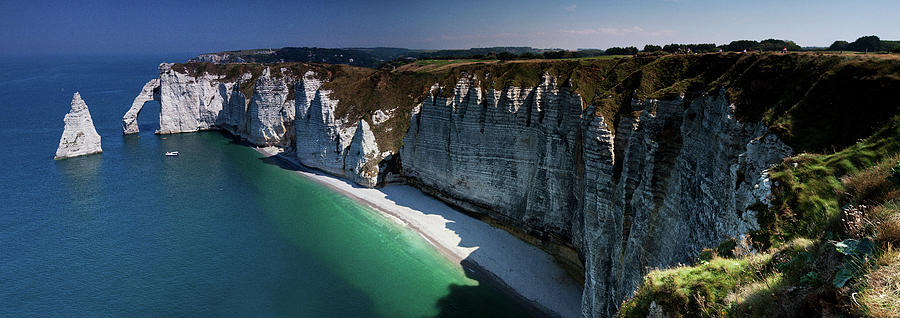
point(172, 153)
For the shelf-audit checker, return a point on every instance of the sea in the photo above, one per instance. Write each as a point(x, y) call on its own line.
point(219, 231)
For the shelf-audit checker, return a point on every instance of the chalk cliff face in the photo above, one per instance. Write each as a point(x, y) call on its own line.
point(269, 117)
point(150, 92)
point(682, 176)
point(326, 142)
point(509, 154)
point(271, 113)
point(678, 175)
point(361, 163)
point(234, 117)
point(79, 137)
point(190, 103)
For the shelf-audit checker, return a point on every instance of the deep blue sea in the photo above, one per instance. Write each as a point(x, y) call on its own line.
point(217, 231)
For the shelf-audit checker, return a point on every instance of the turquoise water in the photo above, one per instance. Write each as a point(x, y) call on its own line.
point(218, 231)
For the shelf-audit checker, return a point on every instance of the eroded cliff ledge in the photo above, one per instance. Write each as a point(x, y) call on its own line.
point(613, 165)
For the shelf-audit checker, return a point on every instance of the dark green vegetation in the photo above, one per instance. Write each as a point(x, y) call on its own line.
point(868, 43)
point(840, 113)
point(764, 45)
point(387, 57)
point(373, 57)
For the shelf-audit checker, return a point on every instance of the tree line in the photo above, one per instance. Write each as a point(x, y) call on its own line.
point(863, 44)
point(734, 46)
point(869, 43)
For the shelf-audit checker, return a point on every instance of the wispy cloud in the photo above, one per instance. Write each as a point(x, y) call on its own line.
point(570, 8)
point(616, 31)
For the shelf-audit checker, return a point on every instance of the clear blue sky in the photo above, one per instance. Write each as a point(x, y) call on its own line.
point(49, 27)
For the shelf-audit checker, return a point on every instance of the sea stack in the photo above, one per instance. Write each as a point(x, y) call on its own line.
point(79, 137)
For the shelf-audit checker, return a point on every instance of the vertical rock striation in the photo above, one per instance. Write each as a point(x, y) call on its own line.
point(324, 142)
point(361, 161)
point(79, 137)
point(234, 117)
point(270, 116)
point(688, 176)
point(190, 103)
point(271, 113)
point(508, 154)
point(682, 176)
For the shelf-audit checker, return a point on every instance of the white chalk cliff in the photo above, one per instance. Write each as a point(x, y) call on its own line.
point(150, 92)
point(271, 113)
point(678, 175)
point(79, 137)
point(361, 161)
point(670, 182)
point(190, 103)
point(305, 123)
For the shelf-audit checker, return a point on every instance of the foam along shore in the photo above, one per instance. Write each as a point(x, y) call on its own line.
point(524, 268)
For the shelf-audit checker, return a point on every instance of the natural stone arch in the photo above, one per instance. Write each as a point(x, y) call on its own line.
point(150, 92)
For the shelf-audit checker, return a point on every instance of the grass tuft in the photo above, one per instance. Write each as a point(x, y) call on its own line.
point(881, 295)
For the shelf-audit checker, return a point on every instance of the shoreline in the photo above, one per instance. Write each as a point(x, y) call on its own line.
point(515, 266)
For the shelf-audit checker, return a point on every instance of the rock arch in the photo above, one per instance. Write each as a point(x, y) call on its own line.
point(150, 92)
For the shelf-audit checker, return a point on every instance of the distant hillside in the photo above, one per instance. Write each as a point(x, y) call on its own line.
point(365, 57)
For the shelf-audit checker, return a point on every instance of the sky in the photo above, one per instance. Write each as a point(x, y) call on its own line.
point(199, 26)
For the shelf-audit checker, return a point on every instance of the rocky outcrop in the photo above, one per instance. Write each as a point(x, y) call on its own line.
point(270, 116)
point(234, 117)
point(361, 161)
point(190, 103)
point(682, 176)
point(685, 175)
point(79, 137)
point(326, 143)
point(271, 113)
point(150, 92)
point(508, 154)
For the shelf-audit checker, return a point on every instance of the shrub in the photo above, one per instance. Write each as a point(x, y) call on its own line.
point(874, 185)
point(886, 219)
point(894, 177)
point(622, 51)
point(651, 48)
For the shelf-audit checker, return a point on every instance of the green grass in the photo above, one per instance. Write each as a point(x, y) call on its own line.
point(752, 285)
point(693, 290)
point(448, 62)
point(808, 197)
point(601, 57)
